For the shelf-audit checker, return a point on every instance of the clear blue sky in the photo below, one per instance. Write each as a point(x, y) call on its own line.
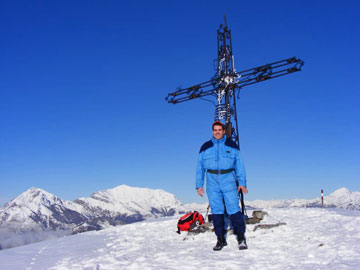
point(82, 88)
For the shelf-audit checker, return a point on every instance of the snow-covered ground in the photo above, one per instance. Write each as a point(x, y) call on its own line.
point(313, 238)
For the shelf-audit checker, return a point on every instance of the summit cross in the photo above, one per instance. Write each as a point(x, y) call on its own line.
point(226, 84)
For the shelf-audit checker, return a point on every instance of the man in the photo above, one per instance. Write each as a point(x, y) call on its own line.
point(219, 159)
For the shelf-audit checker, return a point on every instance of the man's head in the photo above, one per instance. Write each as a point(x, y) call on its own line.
point(218, 130)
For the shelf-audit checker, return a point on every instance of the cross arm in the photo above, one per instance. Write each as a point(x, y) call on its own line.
point(196, 91)
point(269, 71)
point(239, 80)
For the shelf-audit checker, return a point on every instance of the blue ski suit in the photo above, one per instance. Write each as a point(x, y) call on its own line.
point(221, 163)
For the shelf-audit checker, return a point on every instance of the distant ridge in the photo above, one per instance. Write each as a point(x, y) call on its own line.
point(340, 198)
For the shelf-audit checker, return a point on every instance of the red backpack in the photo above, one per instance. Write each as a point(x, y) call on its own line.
point(190, 221)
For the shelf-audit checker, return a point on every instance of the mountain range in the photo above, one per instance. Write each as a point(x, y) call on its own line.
point(36, 214)
point(37, 210)
point(341, 198)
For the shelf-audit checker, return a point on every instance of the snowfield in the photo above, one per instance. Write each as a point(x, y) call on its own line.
point(313, 238)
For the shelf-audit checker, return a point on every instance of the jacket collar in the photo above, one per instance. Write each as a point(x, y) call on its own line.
point(218, 141)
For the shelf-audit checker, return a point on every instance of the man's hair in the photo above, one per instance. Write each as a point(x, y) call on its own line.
point(218, 123)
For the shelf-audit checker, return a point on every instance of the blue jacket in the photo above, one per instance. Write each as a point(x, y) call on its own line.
point(220, 154)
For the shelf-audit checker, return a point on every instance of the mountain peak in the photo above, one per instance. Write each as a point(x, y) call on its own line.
point(130, 201)
point(36, 196)
point(34, 191)
point(340, 192)
point(126, 194)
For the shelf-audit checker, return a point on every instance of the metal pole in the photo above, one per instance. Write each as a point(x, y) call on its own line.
point(322, 198)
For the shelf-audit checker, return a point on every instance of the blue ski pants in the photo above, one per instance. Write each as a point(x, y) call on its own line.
point(237, 221)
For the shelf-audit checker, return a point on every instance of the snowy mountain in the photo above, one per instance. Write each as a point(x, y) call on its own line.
point(38, 211)
point(130, 204)
point(25, 219)
point(341, 198)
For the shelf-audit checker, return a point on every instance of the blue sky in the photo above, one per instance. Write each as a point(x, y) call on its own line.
point(83, 86)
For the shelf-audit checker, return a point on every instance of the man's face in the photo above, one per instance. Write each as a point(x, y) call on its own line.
point(218, 132)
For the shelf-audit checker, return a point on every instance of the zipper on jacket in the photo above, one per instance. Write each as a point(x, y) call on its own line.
point(218, 157)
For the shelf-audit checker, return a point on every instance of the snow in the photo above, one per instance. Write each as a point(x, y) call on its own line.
point(124, 200)
point(34, 200)
point(24, 218)
point(344, 198)
point(129, 200)
point(341, 198)
point(313, 238)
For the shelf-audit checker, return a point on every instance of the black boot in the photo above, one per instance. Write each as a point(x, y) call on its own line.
point(241, 241)
point(221, 242)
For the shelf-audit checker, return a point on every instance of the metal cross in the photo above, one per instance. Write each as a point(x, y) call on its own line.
point(227, 83)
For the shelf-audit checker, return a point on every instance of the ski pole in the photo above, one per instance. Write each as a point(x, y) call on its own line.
point(207, 212)
point(243, 209)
